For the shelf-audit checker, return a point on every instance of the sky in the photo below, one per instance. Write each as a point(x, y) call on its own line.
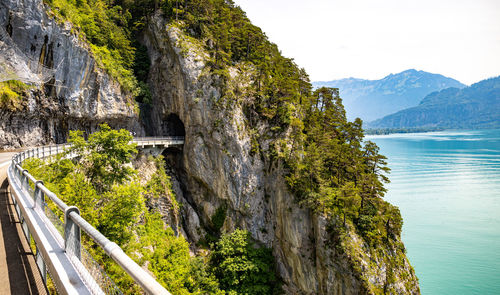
point(369, 39)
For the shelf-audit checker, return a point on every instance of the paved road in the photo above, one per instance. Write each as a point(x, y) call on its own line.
point(5, 158)
point(18, 271)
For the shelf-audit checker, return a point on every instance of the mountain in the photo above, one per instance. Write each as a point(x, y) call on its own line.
point(373, 99)
point(477, 106)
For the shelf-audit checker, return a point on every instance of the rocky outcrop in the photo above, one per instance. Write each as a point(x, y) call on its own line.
point(77, 94)
point(223, 175)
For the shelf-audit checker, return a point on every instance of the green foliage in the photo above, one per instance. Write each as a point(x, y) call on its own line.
point(105, 25)
point(329, 167)
point(385, 131)
point(141, 70)
point(119, 211)
point(169, 255)
point(203, 281)
point(76, 190)
point(121, 207)
point(10, 92)
point(241, 267)
point(159, 185)
point(113, 204)
point(219, 217)
point(333, 171)
point(104, 156)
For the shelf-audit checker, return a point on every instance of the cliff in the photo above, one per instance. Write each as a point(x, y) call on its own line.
point(219, 170)
point(77, 95)
point(226, 176)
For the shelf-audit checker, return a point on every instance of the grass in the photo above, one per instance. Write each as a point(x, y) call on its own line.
point(10, 94)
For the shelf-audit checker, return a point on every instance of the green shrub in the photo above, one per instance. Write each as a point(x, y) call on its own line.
point(219, 217)
point(10, 93)
point(243, 268)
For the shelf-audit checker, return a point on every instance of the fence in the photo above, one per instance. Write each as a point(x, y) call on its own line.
point(58, 248)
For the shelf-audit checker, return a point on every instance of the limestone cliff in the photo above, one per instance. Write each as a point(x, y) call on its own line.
point(77, 95)
point(221, 172)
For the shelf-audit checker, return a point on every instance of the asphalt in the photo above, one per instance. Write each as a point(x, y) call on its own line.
point(18, 271)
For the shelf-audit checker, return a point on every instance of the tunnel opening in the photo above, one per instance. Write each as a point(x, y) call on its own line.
point(173, 126)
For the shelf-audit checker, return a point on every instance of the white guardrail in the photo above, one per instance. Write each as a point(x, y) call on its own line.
point(58, 249)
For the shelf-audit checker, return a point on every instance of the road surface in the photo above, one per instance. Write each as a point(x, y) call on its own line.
point(18, 271)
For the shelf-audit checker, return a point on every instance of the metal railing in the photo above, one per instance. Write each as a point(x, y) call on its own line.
point(159, 141)
point(58, 245)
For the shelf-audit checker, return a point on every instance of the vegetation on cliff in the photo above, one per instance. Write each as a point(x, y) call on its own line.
point(102, 184)
point(10, 94)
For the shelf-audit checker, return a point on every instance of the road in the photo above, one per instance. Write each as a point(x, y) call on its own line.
point(5, 158)
point(18, 271)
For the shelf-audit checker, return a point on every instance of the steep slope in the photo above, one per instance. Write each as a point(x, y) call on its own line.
point(373, 99)
point(79, 94)
point(230, 163)
point(477, 106)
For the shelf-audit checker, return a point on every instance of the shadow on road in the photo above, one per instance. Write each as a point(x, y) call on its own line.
point(19, 275)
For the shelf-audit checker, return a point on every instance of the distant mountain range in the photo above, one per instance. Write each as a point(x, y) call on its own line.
point(477, 106)
point(373, 99)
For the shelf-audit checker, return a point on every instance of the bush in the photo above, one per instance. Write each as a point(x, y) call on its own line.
point(10, 92)
point(243, 268)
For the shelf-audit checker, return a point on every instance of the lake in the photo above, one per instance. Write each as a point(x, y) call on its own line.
point(447, 186)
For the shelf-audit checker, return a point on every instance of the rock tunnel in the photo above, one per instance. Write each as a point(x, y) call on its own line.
point(173, 126)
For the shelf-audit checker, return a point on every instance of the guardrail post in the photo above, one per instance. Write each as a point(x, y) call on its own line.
point(72, 238)
point(41, 264)
point(25, 228)
point(25, 184)
point(38, 195)
point(24, 180)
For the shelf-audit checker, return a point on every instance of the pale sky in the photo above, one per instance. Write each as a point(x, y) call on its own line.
point(370, 39)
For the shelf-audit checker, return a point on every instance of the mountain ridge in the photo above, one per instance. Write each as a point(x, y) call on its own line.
point(373, 99)
point(476, 106)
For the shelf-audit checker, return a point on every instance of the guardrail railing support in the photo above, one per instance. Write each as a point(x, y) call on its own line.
point(39, 196)
point(41, 264)
point(72, 233)
point(24, 179)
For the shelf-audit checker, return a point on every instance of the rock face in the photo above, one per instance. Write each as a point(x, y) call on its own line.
point(220, 173)
point(77, 95)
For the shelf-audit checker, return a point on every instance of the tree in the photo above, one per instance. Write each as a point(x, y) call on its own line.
point(241, 267)
point(104, 157)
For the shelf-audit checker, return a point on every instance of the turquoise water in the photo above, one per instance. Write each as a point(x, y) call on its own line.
point(447, 186)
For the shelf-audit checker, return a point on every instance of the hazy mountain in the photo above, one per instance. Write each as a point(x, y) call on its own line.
point(373, 99)
point(477, 106)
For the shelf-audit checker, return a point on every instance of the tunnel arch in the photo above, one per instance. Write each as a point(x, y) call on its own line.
point(173, 126)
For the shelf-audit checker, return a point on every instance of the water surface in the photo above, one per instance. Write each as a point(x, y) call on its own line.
point(447, 186)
